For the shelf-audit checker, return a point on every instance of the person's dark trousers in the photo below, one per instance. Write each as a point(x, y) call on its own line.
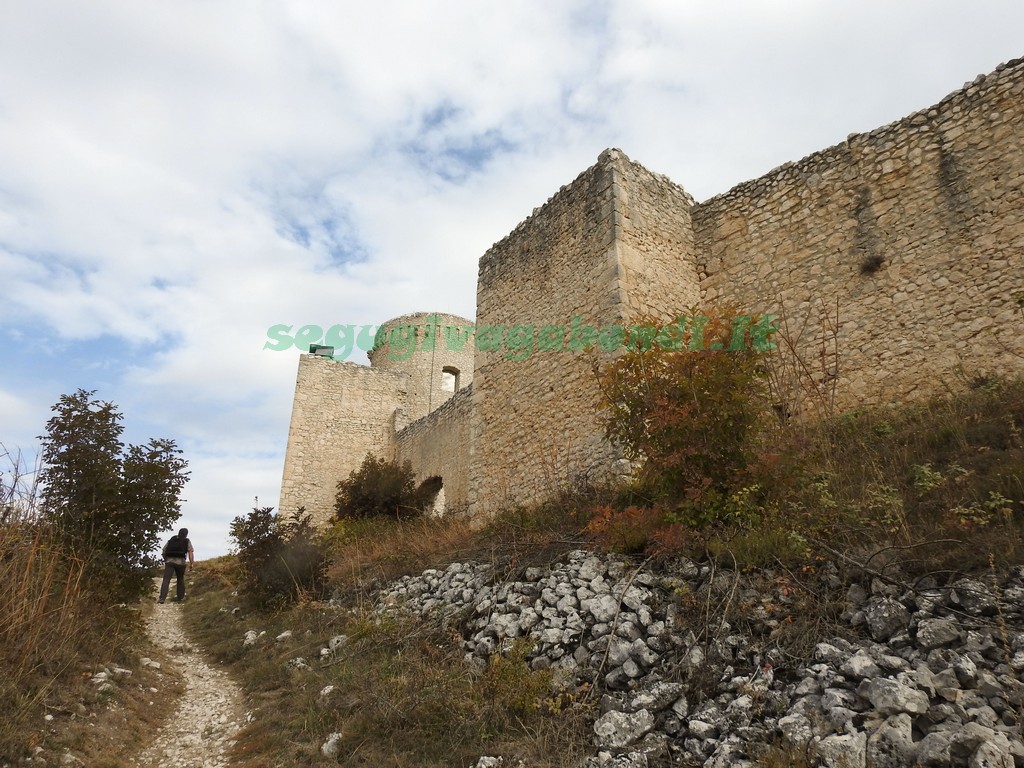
point(177, 570)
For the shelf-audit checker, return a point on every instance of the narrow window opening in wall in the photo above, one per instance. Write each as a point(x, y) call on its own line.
point(450, 379)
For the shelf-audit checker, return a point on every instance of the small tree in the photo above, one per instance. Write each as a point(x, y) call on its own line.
point(108, 505)
point(280, 559)
point(379, 488)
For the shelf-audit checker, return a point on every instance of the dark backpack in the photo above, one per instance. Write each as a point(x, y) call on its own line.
point(176, 547)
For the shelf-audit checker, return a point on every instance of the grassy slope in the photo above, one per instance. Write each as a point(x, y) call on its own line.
point(51, 705)
point(934, 489)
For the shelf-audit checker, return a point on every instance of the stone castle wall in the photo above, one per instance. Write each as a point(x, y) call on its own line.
point(908, 239)
point(341, 412)
point(655, 239)
point(913, 233)
point(533, 418)
point(438, 445)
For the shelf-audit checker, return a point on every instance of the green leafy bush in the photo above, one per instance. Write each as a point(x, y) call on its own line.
point(281, 560)
point(108, 504)
point(380, 488)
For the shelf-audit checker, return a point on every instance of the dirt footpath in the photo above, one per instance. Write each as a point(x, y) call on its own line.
point(202, 730)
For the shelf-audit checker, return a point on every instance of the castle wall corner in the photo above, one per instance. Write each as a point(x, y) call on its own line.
point(614, 243)
point(341, 412)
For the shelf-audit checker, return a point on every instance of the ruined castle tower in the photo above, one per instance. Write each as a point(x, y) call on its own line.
point(615, 243)
point(342, 410)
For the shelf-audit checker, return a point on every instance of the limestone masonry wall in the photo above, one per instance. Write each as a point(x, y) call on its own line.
point(533, 419)
point(909, 239)
point(438, 446)
point(341, 412)
point(615, 243)
point(914, 231)
point(654, 235)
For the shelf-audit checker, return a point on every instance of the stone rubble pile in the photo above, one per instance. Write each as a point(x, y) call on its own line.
point(103, 679)
point(937, 684)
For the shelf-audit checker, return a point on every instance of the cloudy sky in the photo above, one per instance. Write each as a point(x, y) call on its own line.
point(177, 177)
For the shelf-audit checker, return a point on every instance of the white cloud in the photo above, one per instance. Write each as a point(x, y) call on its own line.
point(18, 426)
point(228, 487)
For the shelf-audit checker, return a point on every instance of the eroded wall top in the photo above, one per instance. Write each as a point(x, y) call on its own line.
point(895, 258)
point(434, 349)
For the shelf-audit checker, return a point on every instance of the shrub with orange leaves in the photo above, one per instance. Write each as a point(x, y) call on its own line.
point(628, 531)
point(690, 413)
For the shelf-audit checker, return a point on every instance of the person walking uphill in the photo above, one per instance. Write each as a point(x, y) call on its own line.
point(177, 554)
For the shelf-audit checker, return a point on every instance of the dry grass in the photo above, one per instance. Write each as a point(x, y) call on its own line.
point(40, 626)
point(925, 489)
point(403, 693)
point(53, 626)
point(40, 608)
point(367, 553)
point(373, 550)
point(934, 488)
point(782, 754)
point(113, 728)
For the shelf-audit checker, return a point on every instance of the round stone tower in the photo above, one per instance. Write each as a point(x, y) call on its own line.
point(435, 350)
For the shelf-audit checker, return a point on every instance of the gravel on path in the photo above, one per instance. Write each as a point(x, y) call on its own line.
point(202, 730)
